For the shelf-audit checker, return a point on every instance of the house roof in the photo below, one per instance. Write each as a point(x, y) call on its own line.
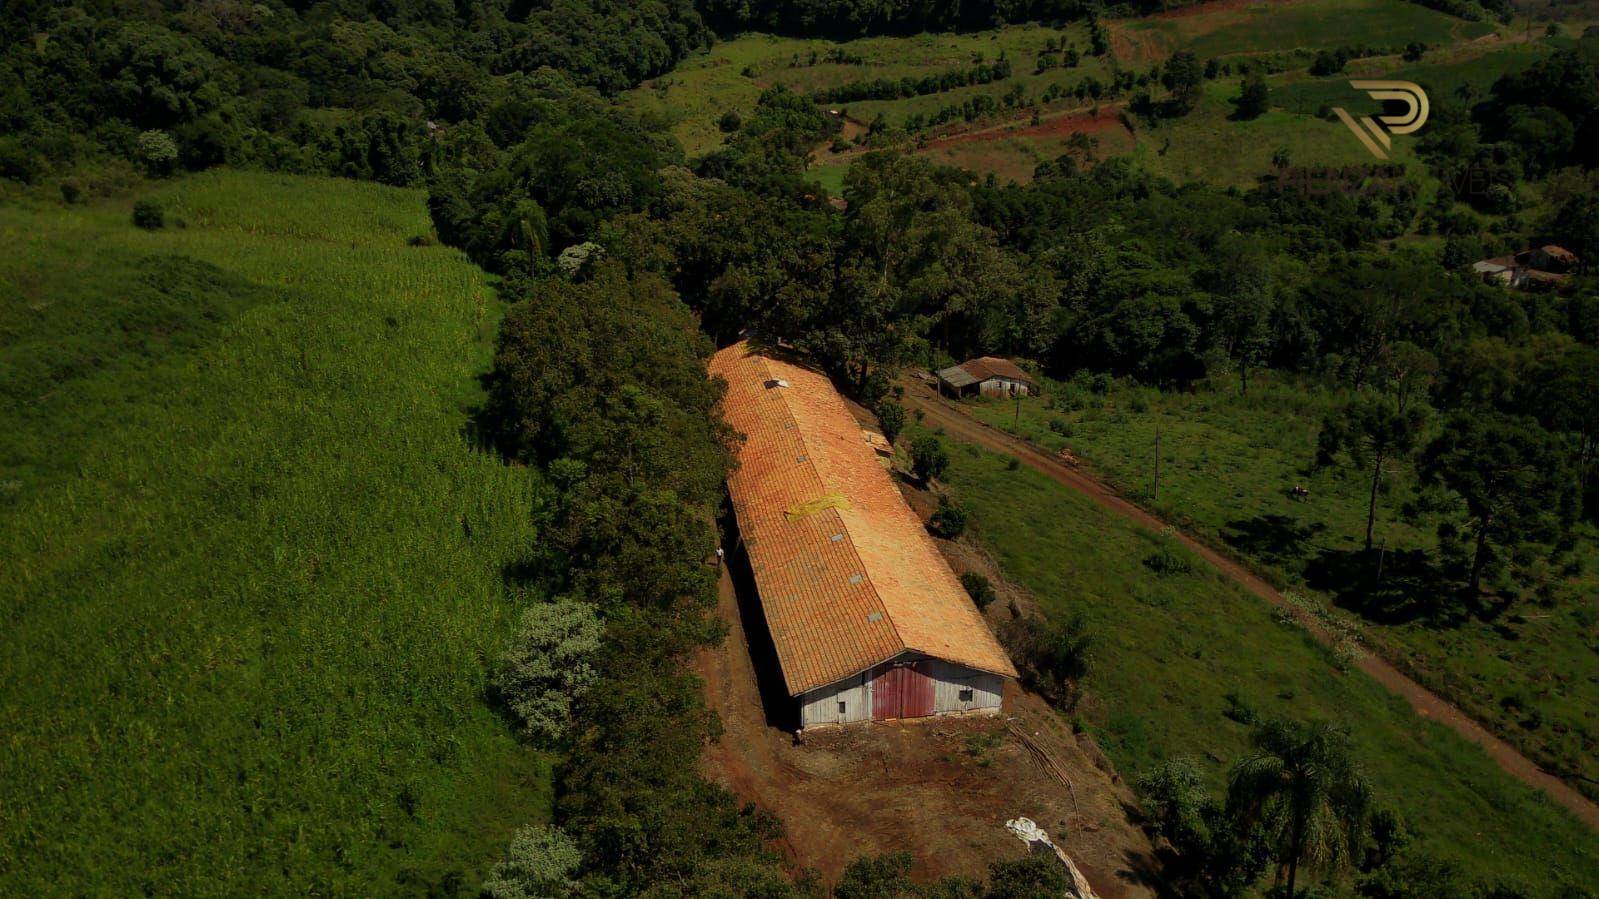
point(1555, 251)
point(847, 575)
point(985, 367)
point(974, 371)
point(1489, 266)
point(955, 376)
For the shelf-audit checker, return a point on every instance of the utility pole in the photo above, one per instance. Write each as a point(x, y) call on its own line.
point(1156, 498)
point(1382, 550)
point(1016, 424)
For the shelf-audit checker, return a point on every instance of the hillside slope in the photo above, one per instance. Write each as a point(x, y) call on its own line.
point(254, 568)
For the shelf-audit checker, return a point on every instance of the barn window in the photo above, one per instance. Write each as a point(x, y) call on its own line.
point(841, 706)
point(966, 695)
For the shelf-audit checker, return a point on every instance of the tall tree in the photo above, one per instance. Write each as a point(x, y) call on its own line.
point(1245, 317)
point(1408, 372)
point(1302, 786)
point(1512, 478)
point(1373, 430)
point(1565, 396)
point(1185, 78)
point(1254, 97)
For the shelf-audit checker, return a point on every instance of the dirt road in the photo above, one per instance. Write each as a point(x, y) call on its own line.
point(942, 413)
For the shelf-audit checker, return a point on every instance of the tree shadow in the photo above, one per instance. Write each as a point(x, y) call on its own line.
point(482, 428)
point(1147, 870)
point(1275, 538)
point(1395, 587)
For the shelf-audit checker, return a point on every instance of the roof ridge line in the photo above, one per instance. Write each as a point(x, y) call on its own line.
point(843, 521)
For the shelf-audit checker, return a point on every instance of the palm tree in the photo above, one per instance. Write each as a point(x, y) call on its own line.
point(1304, 790)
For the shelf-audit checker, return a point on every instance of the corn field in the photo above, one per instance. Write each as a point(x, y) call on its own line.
point(253, 574)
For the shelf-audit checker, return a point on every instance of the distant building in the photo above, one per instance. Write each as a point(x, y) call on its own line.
point(868, 621)
point(1499, 270)
point(988, 376)
point(1550, 258)
point(1540, 268)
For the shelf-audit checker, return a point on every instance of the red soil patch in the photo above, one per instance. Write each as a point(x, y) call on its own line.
point(1107, 119)
point(939, 788)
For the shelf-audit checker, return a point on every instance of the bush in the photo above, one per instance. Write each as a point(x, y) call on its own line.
point(1062, 427)
point(873, 876)
point(1216, 854)
point(540, 863)
point(1254, 97)
point(19, 162)
point(891, 418)
point(929, 459)
point(949, 521)
point(1053, 655)
point(729, 122)
point(157, 152)
point(149, 215)
point(979, 588)
point(1168, 561)
point(1037, 874)
point(547, 665)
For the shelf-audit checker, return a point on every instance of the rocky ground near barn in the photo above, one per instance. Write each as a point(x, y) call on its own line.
point(940, 789)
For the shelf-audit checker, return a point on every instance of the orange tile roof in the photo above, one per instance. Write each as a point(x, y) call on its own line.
point(847, 575)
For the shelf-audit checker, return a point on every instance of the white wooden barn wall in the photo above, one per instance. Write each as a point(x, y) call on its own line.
point(851, 699)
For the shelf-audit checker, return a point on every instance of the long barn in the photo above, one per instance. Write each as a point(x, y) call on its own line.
point(868, 620)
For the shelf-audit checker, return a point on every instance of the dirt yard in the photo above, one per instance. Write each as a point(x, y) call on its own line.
point(940, 789)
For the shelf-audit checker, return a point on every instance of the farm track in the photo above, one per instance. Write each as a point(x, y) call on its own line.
point(1426, 703)
point(1059, 124)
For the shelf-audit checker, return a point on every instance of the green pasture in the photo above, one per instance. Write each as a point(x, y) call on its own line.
point(1228, 464)
point(1210, 145)
point(254, 563)
point(1276, 27)
point(1206, 145)
point(731, 75)
point(1184, 661)
point(1442, 74)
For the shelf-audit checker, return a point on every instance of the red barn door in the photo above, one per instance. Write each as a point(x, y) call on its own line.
point(904, 690)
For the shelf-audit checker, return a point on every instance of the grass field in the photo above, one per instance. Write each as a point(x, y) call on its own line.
point(1206, 145)
point(1183, 661)
point(1209, 145)
point(253, 568)
point(1441, 73)
point(1227, 465)
point(732, 74)
point(1297, 24)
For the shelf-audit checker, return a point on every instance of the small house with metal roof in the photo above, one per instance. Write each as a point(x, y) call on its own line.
point(988, 376)
point(868, 621)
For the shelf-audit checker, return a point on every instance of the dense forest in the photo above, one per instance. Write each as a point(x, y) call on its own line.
point(624, 262)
